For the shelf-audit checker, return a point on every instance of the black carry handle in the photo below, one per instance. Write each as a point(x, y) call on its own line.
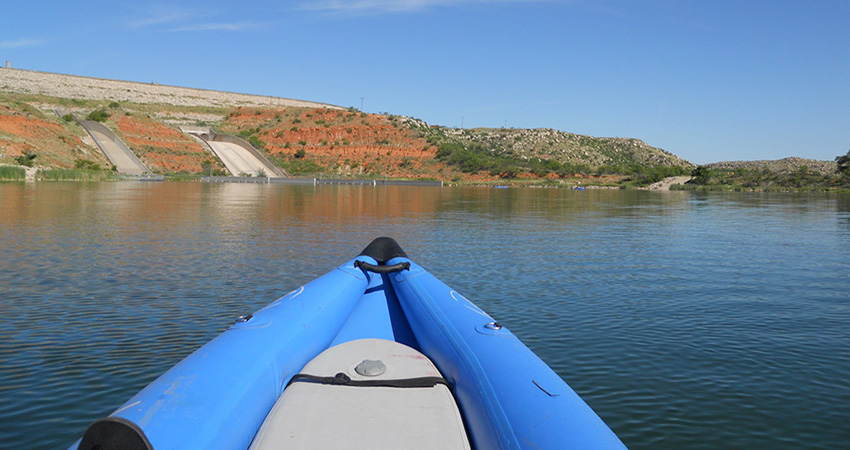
point(382, 269)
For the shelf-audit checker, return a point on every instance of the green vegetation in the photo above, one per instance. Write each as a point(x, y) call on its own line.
point(9, 173)
point(183, 177)
point(208, 168)
point(85, 164)
point(74, 175)
point(741, 179)
point(545, 153)
point(98, 115)
point(477, 158)
point(251, 136)
point(26, 159)
point(298, 165)
point(843, 163)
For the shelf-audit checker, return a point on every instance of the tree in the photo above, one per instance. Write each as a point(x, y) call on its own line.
point(701, 175)
point(26, 159)
point(844, 163)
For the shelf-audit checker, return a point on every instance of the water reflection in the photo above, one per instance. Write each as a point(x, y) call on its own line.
point(675, 315)
point(842, 205)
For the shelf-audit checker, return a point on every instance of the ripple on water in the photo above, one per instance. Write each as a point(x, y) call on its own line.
point(684, 320)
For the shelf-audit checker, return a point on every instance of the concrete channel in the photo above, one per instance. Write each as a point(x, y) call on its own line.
point(115, 150)
point(237, 154)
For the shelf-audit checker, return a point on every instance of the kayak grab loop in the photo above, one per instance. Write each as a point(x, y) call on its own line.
point(382, 269)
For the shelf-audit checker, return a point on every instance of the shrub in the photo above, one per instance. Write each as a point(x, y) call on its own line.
point(85, 164)
point(26, 159)
point(701, 175)
point(300, 153)
point(98, 115)
point(253, 139)
point(68, 118)
point(300, 166)
point(446, 149)
point(843, 163)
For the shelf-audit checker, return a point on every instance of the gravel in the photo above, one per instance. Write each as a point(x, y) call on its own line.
point(84, 88)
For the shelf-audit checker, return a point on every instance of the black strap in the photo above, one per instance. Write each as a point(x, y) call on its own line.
point(382, 269)
point(342, 379)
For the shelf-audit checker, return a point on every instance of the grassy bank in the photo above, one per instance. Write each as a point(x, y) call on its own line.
point(75, 175)
point(801, 179)
point(739, 188)
point(9, 173)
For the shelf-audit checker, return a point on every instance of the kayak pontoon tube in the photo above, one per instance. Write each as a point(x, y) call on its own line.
point(218, 396)
point(509, 397)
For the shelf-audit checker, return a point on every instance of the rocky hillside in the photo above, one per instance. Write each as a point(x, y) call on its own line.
point(785, 165)
point(339, 142)
point(301, 137)
point(567, 147)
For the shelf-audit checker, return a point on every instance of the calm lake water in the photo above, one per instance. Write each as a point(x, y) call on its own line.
point(685, 320)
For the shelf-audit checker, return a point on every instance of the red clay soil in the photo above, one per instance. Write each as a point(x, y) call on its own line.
point(347, 142)
point(162, 148)
point(55, 145)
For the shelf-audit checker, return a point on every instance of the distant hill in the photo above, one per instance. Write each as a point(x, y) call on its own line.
point(567, 147)
point(783, 175)
point(785, 165)
point(301, 136)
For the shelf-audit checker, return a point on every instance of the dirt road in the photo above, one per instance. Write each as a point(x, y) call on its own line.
point(664, 185)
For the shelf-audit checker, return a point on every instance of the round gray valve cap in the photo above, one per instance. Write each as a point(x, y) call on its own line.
point(369, 368)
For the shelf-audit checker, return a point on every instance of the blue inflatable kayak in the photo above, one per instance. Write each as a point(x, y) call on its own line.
point(377, 352)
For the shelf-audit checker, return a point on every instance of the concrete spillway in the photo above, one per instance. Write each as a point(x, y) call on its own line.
point(240, 161)
point(238, 156)
point(118, 154)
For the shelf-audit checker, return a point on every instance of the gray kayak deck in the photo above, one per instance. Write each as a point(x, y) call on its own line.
point(374, 410)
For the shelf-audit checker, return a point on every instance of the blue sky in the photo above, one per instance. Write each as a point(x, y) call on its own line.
point(707, 80)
